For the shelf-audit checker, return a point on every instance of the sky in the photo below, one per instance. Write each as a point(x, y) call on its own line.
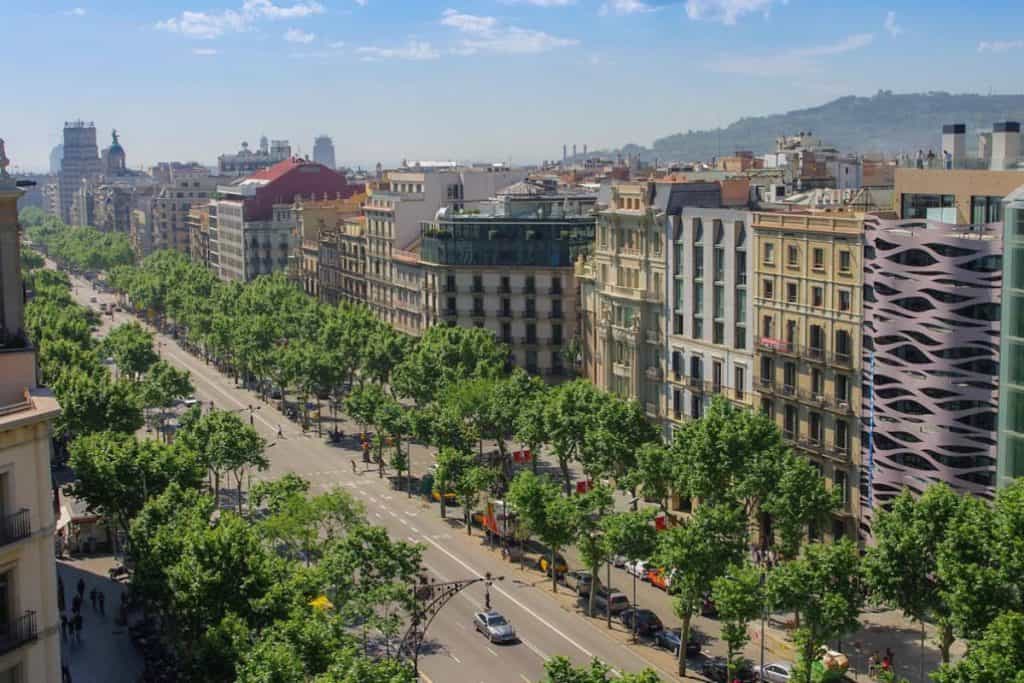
point(469, 80)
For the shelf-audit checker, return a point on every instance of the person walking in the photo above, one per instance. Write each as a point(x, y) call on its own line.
point(65, 673)
point(63, 626)
point(280, 434)
point(92, 598)
point(101, 599)
point(353, 465)
point(78, 627)
point(76, 604)
point(890, 656)
point(81, 586)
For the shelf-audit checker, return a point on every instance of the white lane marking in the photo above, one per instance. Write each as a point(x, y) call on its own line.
point(378, 515)
point(404, 522)
point(492, 652)
point(460, 625)
point(526, 609)
point(459, 661)
point(373, 499)
point(415, 530)
point(411, 513)
point(523, 676)
point(392, 513)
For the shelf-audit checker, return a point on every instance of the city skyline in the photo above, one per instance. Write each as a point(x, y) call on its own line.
point(508, 80)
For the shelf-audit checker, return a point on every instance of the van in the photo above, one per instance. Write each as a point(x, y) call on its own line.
point(610, 600)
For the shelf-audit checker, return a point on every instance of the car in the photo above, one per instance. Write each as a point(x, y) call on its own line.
point(580, 581)
point(275, 393)
point(494, 627)
point(610, 599)
point(669, 639)
point(92, 299)
point(717, 669)
point(659, 579)
point(618, 561)
point(190, 401)
point(637, 568)
point(544, 564)
point(647, 622)
point(449, 498)
point(774, 673)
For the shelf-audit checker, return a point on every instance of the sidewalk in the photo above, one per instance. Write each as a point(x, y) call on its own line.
point(106, 653)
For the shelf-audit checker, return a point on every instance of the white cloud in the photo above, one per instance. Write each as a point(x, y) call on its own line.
point(204, 51)
point(890, 24)
point(208, 25)
point(295, 35)
point(415, 51)
point(623, 7)
point(75, 12)
point(337, 45)
point(486, 34)
point(468, 23)
point(726, 11)
point(549, 3)
point(800, 60)
point(361, 3)
point(1000, 45)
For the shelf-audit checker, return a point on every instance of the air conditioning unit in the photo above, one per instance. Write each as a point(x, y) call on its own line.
point(843, 405)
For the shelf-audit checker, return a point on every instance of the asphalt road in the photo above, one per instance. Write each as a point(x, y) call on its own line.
point(547, 625)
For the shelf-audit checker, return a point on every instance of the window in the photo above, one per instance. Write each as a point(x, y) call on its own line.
point(719, 264)
point(986, 209)
point(768, 408)
point(792, 256)
point(556, 309)
point(740, 339)
point(449, 283)
point(451, 305)
point(789, 378)
point(698, 231)
point(767, 370)
point(842, 437)
point(817, 297)
point(935, 206)
point(839, 484)
point(819, 258)
point(677, 286)
point(816, 428)
point(719, 301)
point(696, 407)
point(767, 326)
point(506, 333)
point(698, 328)
point(739, 383)
point(677, 324)
point(506, 308)
point(719, 231)
point(478, 283)
point(789, 422)
point(531, 333)
point(741, 306)
point(677, 404)
point(531, 308)
point(791, 293)
point(698, 262)
point(741, 267)
point(478, 305)
point(817, 382)
point(816, 340)
point(556, 285)
point(677, 364)
point(844, 299)
point(556, 335)
point(844, 261)
point(768, 288)
point(843, 346)
point(717, 332)
point(680, 255)
point(769, 254)
point(842, 388)
point(716, 376)
point(698, 299)
point(529, 286)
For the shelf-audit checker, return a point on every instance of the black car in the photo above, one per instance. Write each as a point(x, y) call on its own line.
point(647, 622)
point(717, 669)
point(669, 638)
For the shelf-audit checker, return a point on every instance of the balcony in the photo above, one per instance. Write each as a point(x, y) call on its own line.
point(622, 370)
point(695, 384)
point(651, 409)
point(529, 289)
point(505, 313)
point(15, 527)
point(555, 291)
point(448, 313)
point(555, 315)
point(479, 313)
point(556, 341)
point(528, 315)
point(19, 632)
point(477, 288)
point(529, 341)
point(504, 289)
point(652, 336)
point(654, 373)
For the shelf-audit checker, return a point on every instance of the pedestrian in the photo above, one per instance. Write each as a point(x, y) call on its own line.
point(948, 158)
point(81, 586)
point(76, 604)
point(78, 627)
point(92, 598)
point(889, 655)
point(63, 626)
point(65, 674)
point(280, 433)
point(353, 465)
point(920, 159)
point(101, 599)
point(873, 664)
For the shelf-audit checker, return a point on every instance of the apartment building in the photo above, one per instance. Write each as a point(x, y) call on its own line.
point(29, 627)
point(169, 205)
point(623, 285)
point(808, 280)
point(342, 262)
point(407, 285)
point(255, 216)
point(1010, 453)
point(710, 346)
point(313, 217)
point(508, 267)
point(80, 161)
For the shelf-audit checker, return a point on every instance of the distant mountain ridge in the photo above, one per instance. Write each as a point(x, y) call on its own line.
point(885, 122)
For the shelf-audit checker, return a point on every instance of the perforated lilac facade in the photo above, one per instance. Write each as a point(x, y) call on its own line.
point(931, 357)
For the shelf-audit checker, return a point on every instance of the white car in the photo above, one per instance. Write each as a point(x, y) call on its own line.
point(190, 401)
point(637, 568)
point(774, 673)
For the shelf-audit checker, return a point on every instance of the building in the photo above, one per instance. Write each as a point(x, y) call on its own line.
point(113, 160)
point(246, 162)
point(313, 217)
point(808, 285)
point(409, 277)
point(255, 216)
point(931, 356)
point(323, 151)
point(83, 203)
point(29, 625)
point(112, 207)
point(958, 196)
point(506, 267)
point(622, 288)
point(80, 161)
point(1010, 454)
point(56, 157)
point(342, 263)
point(709, 346)
point(198, 222)
point(169, 205)
point(414, 194)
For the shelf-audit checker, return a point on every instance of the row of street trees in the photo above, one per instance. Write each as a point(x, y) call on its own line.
point(83, 249)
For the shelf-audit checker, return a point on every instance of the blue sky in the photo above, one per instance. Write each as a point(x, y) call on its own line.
point(469, 80)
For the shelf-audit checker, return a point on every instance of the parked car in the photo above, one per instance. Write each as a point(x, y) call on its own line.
point(717, 669)
point(618, 561)
point(774, 673)
point(610, 599)
point(637, 568)
point(659, 579)
point(275, 393)
point(190, 401)
point(579, 581)
point(669, 639)
point(494, 627)
point(449, 498)
point(647, 622)
point(92, 299)
point(544, 564)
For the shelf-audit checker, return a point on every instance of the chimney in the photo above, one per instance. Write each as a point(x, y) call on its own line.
point(954, 141)
point(584, 150)
point(1005, 145)
point(565, 153)
point(574, 150)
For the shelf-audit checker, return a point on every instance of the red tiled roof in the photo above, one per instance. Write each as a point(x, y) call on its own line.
point(272, 173)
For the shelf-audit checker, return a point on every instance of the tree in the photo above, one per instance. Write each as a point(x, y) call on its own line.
point(132, 349)
point(568, 415)
point(653, 473)
point(591, 538)
point(632, 535)
point(444, 356)
point(739, 598)
point(162, 386)
point(224, 444)
point(92, 402)
point(451, 464)
point(470, 484)
point(823, 589)
point(610, 444)
point(1008, 529)
point(115, 474)
point(697, 552)
point(364, 404)
point(561, 670)
point(901, 569)
point(546, 513)
point(798, 499)
point(996, 657)
point(276, 492)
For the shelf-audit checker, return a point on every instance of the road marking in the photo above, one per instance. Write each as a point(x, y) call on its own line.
point(373, 499)
point(523, 607)
point(378, 515)
point(404, 522)
point(459, 661)
point(415, 530)
point(492, 652)
point(460, 625)
point(523, 676)
point(392, 513)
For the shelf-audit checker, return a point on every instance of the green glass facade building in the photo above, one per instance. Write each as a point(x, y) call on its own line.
point(1010, 461)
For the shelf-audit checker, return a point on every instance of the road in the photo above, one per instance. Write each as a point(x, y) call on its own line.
point(547, 624)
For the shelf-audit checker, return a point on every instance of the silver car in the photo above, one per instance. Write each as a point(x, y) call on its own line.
point(774, 673)
point(494, 626)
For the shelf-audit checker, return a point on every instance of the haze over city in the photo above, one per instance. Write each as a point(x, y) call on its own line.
point(486, 80)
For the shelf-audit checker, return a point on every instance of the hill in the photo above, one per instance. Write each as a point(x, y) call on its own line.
point(885, 122)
